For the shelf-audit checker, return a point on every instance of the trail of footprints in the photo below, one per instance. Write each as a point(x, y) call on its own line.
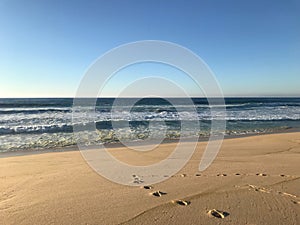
point(235, 174)
point(138, 180)
point(214, 212)
point(294, 198)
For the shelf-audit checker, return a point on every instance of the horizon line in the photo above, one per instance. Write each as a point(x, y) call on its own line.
point(265, 96)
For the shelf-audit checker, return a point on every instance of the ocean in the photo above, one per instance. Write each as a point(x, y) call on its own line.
point(46, 123)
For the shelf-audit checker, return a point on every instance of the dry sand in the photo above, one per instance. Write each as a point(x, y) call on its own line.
point(254, 180)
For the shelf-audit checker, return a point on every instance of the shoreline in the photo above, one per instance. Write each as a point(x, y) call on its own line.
point(23, 152)
point(135, 143)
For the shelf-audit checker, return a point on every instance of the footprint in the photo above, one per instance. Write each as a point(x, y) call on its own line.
point(261, 174)
point(183, 175)
point(181, 202)
point(264, 190)
point(222, 175)
point(147, 187)
point(158, 193)
point(217, 213)
point(137, 180)
point(261, 189)
point(295, 202)
point(288, 194)
point(237, 174)
point(198, 175)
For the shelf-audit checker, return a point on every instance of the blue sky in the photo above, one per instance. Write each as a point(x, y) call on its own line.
point(253, 47)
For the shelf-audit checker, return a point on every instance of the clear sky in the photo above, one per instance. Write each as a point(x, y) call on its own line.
point(46, 46)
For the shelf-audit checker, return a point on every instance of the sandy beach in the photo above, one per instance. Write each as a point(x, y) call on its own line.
point(254, 180)
point(149, 112)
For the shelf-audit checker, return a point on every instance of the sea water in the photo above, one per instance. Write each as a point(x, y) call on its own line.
point(45, 123)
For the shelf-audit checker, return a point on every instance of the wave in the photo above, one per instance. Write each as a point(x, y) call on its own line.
point(133, 124)
point(32, 110)
point(56, 140)
point(36, 129)
point(41, 123)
